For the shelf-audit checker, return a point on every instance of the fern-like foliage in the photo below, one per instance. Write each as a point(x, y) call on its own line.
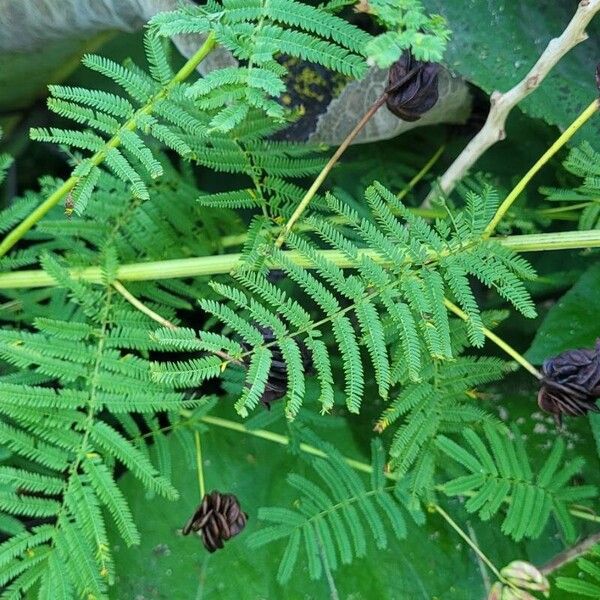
point(255, 32)
point(444, 401)
point(583, 162)
point(117, 126)
point(408, 26)
point(335, 519)
point(500, 472)
point(212, 120)
point(66, 413)
point(5, 162)
point(269, 166)
point(441, 402)
point(403, 277)
point(81, 390)
point(587, 586)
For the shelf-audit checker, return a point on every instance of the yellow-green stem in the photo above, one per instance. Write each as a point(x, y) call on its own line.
point(562, 209)
point(284, 441)
point(141, 306)
point(497, 340)
point(326, 170)
point(199, 464)
point(471, 544)
point(558, 144)
point(224, 263)
point(426, 168)
point(188, 68)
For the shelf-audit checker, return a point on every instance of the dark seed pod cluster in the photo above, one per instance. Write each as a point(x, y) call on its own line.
point(412, 87)
point(217, 519)
point(571, 383)
point(277, 381)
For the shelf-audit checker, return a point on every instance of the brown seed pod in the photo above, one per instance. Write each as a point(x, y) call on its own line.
point(412, 87)
point(277, 381)
point(218, 518)
point(571, 383)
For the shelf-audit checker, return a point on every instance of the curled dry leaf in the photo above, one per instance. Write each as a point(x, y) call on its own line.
point(571, 383)
point(412, 87)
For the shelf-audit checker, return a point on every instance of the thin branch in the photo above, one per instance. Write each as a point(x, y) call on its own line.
point(567, 134)
point(199, 464)
point(425, 169)
point(220, 264)
point(26, 224)
point(285, 441)
point(502, 103)
point(469, 541)
point(497, 340)
point(337, 155)
point(570, 554)
point(327, 168)
point(141, 306)
point(484, 574)
point(156, 317)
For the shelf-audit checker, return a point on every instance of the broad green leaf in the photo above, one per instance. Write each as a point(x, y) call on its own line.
point(167, 564)
point(495, 42)
point(573, 322)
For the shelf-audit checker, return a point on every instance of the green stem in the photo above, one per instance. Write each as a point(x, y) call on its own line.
point(283, 440)
point(326, 170)
point(566, 208)
point(580, 512)
point(469, 541)
point(497, 340)
point(558, 144)
point(199, 464)
point(558, 240)
point(141, 306)
point(426, 168)
point(221, 264)
point(188, 68)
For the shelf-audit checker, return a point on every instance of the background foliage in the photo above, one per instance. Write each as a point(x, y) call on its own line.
point(521, 32)
point(111, 462)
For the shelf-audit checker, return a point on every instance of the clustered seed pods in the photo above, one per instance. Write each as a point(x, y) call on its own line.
point(412, 87)
point(571, 383)
point(277, 380)
point(519, 577)
point(218, 518)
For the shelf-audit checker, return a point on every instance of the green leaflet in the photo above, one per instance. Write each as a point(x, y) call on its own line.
point(403, 278)
point(504, 471)
point(588, 585)
point(329, 515)
point(182, 116)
